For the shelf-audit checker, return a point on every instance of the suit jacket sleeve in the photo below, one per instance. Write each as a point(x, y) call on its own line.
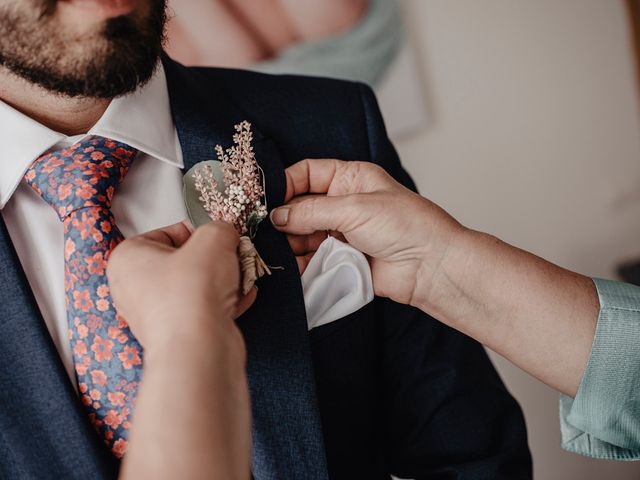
point(447, 414)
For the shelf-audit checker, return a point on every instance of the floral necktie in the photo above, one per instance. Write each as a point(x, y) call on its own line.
point(79, 183)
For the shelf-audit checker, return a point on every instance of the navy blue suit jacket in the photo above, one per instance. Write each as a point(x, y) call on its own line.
point(386, 390)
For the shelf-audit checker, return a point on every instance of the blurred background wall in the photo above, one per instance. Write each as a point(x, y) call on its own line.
point(532, 134)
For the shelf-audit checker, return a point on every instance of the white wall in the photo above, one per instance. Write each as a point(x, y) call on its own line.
point(533, 136)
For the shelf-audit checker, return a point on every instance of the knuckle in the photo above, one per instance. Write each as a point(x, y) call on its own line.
point(347, 174)
point(307, 209)
point(202, 236)
point(209, 230)
point(116, 259)
point(377, 170)
point(218, 233)
point(118, 252)
point(303, 213)
point(357, 176)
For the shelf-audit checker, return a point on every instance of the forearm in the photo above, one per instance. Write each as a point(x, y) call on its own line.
point(192, 411)
point(539, 316)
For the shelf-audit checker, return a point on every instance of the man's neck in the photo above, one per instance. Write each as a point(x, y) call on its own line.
point(70, 116)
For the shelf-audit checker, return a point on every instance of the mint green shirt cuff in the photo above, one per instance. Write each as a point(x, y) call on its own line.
point(603, 421)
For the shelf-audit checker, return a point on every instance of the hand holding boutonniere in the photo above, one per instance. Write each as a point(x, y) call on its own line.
point(231, 189)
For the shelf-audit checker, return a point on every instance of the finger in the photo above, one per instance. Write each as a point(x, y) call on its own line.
point(245, 302)
point(189, 225)
point(135, 251)
point(316, 176)
point(173, 236)
point(303, 262)
point(218, 237)
point(303, 244)
point(336, 177)
point(317, 213)
point(337, 235)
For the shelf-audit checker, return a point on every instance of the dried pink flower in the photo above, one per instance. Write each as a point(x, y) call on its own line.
point(241, 202)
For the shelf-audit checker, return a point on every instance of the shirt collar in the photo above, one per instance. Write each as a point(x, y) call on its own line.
point(141, 119)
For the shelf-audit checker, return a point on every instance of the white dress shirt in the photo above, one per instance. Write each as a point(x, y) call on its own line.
point(149, 197)
point(337, 282)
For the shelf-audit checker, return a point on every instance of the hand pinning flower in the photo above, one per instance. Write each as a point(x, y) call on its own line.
point(231, 190)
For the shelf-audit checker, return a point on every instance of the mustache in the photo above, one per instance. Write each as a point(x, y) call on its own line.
point(117, 27)
point(45, 8)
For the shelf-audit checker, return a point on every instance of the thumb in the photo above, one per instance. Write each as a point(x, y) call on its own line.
point(311, 214)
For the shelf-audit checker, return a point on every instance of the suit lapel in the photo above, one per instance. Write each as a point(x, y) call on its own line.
point(287, 434)
point(41, 419)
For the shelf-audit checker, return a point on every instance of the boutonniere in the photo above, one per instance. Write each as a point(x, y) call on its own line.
point(231, 189)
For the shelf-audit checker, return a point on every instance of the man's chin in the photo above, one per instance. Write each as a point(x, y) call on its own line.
point(95, 57)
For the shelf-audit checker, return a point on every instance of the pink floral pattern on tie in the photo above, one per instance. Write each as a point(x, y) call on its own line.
point(79, 183)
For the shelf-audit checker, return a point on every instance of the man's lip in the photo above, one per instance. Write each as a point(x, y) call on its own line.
point(106, 8)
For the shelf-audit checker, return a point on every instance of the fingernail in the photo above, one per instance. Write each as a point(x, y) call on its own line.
point(280, 216)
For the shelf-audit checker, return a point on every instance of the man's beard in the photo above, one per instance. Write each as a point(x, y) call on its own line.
point(117, 58)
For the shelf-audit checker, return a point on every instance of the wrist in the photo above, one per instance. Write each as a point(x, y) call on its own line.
point(467, 284)
point(441, 261)
point(184, 313)
point(199, 351)
point(187, 331)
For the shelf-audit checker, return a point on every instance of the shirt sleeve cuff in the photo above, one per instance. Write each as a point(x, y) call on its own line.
point(603, 421)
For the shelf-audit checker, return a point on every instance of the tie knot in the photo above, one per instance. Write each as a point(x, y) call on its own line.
point(83, 175)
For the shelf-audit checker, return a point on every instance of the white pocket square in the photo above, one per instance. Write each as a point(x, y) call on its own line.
point(336, 283)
